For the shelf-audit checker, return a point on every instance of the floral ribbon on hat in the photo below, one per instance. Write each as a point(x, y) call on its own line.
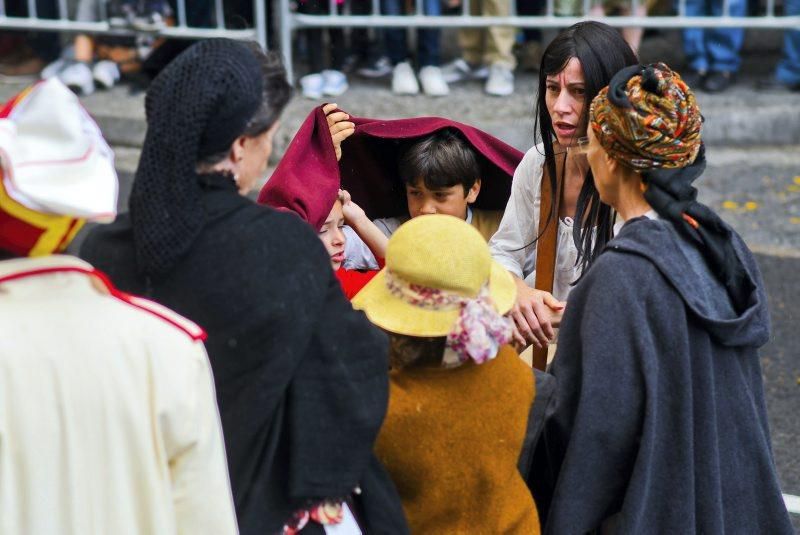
point(477, 333)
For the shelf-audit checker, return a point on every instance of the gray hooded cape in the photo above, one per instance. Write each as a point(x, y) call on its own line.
point(660, 424)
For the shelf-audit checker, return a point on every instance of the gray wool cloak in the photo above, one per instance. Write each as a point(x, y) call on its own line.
point(659, 423)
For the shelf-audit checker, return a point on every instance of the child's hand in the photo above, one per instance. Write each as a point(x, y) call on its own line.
point(340, 127)
point(353, 213)
point(361, 224)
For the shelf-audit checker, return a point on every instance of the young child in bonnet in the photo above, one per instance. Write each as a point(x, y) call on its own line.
point(459, 395)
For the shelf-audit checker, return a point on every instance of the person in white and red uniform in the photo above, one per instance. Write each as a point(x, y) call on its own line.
point(108, 417)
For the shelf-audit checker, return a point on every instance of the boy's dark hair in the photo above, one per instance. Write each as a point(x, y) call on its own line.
point(441, 160)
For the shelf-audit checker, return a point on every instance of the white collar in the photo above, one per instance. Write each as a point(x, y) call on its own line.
point(650, 214)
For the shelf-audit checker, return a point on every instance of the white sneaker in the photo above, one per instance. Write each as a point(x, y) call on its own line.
point(78, 77)
point(106, 73)
point(312, 85)
point(480, 73)
point(404, 82)
point(432, 81)
point(500, 82)
point(378, 69)
point(334, 83)
point(151, 22)
point(456, 71)
point(459, 70)
point(53, 69)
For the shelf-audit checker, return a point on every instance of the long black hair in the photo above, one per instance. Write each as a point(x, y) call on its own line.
point(602, 52)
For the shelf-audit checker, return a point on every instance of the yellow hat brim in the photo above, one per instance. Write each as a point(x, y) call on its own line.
point(397, 316)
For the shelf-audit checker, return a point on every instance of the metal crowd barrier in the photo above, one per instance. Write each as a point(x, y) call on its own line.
point(180, 31)
point(292, 21)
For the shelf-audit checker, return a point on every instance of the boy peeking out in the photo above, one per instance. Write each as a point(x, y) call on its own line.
point(440, 175)
point(400, 169)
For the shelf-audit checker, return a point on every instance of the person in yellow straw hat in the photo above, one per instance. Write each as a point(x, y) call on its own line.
point(459, 395)
point(109, 423)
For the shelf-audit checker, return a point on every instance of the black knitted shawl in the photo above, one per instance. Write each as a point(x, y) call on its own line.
point(196, 107)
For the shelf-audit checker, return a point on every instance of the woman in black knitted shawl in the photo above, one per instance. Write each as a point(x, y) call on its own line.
point(301, 378)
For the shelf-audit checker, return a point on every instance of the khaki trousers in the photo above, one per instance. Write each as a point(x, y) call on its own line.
point(491, 45)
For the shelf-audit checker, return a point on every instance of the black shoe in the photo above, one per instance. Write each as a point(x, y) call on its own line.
point(773, 84)
point(694, 79)
point(718, 81)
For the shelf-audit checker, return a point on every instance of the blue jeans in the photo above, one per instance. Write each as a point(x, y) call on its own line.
point(428, 39)
point(713, 49)
point(45, 45)
point(788, 70)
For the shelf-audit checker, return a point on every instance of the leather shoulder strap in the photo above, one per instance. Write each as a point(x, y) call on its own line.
point(547, 244)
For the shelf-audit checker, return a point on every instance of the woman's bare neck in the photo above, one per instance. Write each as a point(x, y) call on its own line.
point(575, 169)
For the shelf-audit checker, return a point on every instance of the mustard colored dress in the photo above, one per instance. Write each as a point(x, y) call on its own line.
point(451, 441)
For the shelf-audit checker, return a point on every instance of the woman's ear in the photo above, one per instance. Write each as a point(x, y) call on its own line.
point(611, 164)
point(238, 149)
point(472, 194)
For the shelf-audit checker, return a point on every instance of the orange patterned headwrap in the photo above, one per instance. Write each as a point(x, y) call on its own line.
point(647, 118)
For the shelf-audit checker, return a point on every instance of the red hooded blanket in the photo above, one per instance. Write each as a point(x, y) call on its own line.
point(307, 179)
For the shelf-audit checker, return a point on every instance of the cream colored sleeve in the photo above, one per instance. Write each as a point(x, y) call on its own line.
point(512, 246)
point(200, 484)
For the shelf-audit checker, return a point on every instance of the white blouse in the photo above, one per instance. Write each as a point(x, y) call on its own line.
point(513, 245)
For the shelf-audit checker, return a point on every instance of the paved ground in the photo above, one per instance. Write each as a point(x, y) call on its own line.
point(782, 367)
point(757, 190)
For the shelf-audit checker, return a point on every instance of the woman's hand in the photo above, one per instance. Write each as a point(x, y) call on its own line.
point(340, 127)
point(535, 313)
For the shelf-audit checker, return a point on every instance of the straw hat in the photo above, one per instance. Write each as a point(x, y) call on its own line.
point(438, 252)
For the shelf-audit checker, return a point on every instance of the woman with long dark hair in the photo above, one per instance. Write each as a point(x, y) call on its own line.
point(575, 66)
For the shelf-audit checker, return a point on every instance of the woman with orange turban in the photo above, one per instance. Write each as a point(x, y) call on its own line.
point(660, 423)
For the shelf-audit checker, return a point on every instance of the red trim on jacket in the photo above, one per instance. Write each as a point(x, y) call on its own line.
point(132, 300)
